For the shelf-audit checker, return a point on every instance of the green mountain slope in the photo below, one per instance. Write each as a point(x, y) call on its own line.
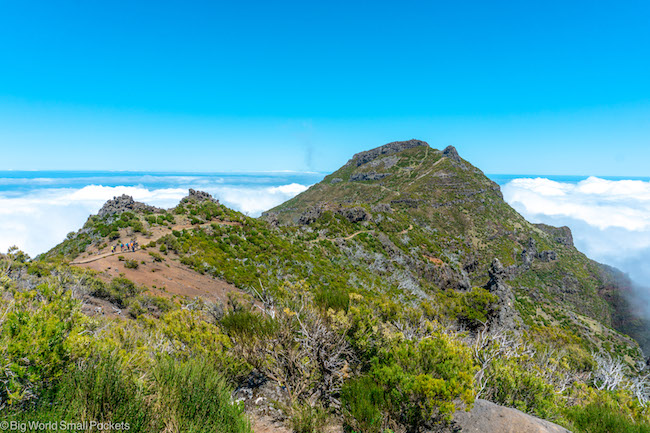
point(388, 294)
point(460, 221)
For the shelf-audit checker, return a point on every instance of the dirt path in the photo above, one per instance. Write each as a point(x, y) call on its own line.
point(346, 238)
point(157, 233)
point(403, 232)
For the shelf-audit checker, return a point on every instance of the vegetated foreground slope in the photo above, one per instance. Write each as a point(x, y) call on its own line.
point(388, 296)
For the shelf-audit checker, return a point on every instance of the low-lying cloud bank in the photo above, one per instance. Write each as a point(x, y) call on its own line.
point(610, 219)
point(38, 220)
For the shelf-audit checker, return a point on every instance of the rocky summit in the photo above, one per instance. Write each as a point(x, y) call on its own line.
point(124, 203)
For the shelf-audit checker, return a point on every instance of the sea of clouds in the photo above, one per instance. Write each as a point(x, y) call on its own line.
point(38, 219)
point(610, 219)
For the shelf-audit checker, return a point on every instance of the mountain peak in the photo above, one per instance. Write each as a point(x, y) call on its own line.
point(124, 203)
point(451, 153)
point(387, 149)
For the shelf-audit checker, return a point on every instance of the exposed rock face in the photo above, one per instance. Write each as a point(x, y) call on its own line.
point(547, 256)
point(531, 253)
point(356, 177)
point(505, 316)
point(310, 216)
point(445, 277)
point(487, 417)
point(124, 203)
point(561, 235)
point(451, 153)
point(387, 149)
point(382, 207)
point(387, 162)
point(199, 196)
point(354, 214)
point(336, 180)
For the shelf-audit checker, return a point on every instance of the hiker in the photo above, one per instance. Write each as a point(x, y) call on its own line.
point(113, 249)
point(122, 246)
point(133, 247)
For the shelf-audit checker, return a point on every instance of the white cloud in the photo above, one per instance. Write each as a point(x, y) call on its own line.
point(40, 219)
point(254, 201)
point(610, 219)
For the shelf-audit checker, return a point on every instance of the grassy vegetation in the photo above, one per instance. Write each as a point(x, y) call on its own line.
point(375, 313)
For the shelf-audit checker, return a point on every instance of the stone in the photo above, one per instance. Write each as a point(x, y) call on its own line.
point(488, 417)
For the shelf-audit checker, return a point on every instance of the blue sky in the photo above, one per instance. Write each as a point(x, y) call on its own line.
point(518, 87)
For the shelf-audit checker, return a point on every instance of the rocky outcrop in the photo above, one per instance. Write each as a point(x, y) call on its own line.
point(124, 203)
point(487, 417)
point(505, 317)
point(387, 149)
point(561, 235)
point(451, 153)
point(530, 254)
point(387, 162)
point(199, 196)
point(444, 276)
point(357, 177)
point(310, 216)
point(547, 256)
point(354, 214)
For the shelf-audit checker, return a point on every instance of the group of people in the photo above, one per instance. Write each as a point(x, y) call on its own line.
point(130, 246)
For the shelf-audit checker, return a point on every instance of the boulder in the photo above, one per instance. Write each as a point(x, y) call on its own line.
point(487, 417)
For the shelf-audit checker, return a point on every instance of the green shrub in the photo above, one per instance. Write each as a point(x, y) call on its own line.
point(362, 401)
point(333, 297)
point(131, 264)
point(34, 347)
point(306, 418)
point(245, 323)
point(156, 257)
point(120, 291)
point(197, 398)
point(521, 386)
point(97, 390)
point(472, 308)
point(422, 380)
point(602, 418)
